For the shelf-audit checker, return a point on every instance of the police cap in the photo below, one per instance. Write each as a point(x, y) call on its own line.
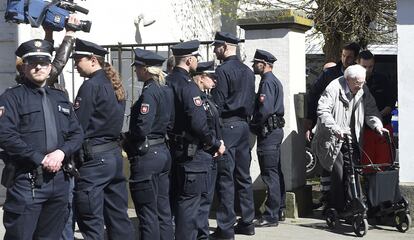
point(205, 67)
point(83, 47)
point(264, 56)
point(147, 58)
point(35, 50)
point(225, 37)
point(189, 48)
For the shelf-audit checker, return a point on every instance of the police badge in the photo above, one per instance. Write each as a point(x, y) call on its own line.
point(144, 108)
point(197, 101)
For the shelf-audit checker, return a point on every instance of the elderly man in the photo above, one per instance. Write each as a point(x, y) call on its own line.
point(343, 108)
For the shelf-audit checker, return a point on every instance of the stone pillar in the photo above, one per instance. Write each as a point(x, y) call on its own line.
point(282, 32)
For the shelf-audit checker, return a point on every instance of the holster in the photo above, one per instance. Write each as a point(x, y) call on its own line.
point(9, 172)
point(69, 168)
point(38, 176)
point(143, 147)
point(272, 122)
point(79, 158)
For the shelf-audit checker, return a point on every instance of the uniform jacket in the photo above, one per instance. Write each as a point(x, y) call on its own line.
point(151, 113)
point(190, 116)
point(269, 100)
point(100, 114)
point(332, 118)
point(234, 93)
point(22, 124)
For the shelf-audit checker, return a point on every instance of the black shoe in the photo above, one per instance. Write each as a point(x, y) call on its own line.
point(219, 235)
point(265, 223)
point(282, 215)
point(244, 228)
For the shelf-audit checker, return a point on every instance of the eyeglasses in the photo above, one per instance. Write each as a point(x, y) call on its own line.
point(38, 64)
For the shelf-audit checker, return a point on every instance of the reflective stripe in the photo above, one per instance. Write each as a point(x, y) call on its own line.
point(37, 54)
point(325, 179)
point(325, 188)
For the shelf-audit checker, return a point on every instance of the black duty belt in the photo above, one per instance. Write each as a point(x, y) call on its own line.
point(233, 119)
point(157, 141)
point(99, 148)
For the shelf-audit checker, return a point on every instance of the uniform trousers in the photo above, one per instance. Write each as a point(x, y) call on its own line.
point(190, 183)
point(39, 216)
point(233, 177)
point(101, 197)
point(268, 152)
point(206, 200)
point(149, 185)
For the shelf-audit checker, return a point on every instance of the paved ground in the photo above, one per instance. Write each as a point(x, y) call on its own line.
point(302, 228)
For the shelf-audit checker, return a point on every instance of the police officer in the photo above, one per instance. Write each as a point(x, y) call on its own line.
point(39, 132)
point(147, 151)
point(192, 142)
point(267, 123)
point(100, 194)
point(234, 95)
point(204, 78)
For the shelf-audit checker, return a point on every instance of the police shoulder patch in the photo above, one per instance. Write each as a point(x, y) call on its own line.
point(2, 110)
point(197, 101)
point(262, 98)
point(144, 108)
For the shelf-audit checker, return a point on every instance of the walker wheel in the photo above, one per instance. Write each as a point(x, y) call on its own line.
point(360, 226)
point(403, 222)
point(332, 218)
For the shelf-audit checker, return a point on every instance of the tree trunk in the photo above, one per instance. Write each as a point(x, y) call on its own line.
point(332, 47)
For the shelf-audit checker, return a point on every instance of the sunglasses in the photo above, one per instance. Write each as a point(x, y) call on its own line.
point(38, 64)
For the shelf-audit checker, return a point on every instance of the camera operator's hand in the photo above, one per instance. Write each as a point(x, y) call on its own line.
point(72, 20)
point(48, 34)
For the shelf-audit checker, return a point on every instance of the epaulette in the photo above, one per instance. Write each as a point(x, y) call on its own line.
point(145, 87)
point(58, 87)
point(15, 86)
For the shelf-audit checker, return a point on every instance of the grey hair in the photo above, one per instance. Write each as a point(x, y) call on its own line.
point(355, 71)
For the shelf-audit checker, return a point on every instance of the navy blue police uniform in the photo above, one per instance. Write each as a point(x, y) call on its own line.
point(213, 123)
point(234, 95)
point(148, 154)
point(36, 204)
point(192, 144)
point(267, 123)
point(101, 195)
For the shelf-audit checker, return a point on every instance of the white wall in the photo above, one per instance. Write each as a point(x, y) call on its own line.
point(405, 9)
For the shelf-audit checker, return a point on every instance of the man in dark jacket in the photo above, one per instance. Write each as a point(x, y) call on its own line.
point(375, 146)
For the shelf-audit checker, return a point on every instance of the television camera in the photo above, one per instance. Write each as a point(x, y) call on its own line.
point(52, 14)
